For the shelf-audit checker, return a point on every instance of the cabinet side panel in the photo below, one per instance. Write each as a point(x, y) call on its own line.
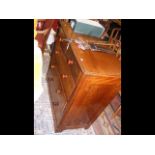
point(101, 92)
point(92, 96)
point(75, 115)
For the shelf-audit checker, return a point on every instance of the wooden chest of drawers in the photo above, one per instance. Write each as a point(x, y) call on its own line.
point(81, 83)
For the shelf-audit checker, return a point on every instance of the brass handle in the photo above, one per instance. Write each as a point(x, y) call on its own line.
point(70, 62)
point(55, 103)
point(52, 66)
point(64, 76)
point(58, 91)
point(50, 79)
point(57, 52)
point(60, 39)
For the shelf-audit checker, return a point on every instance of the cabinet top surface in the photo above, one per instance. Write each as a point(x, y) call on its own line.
point(92, 63)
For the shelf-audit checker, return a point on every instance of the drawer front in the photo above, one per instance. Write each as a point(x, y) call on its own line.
point(63, 44)
point(57, 95)
point(73, 65)
point(64, 72)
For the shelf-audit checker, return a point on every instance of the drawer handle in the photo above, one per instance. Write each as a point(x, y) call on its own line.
point(57, 52)
point(58, 91)
point(55, 103)
point(50, 79)
point(64, 76)
point(70, 62)
point(52, 66)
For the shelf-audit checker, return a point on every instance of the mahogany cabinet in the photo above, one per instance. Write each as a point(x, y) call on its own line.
point(81, 83)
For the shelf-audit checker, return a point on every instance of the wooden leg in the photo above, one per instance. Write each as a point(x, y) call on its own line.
point(57, 130)
point(87, 126)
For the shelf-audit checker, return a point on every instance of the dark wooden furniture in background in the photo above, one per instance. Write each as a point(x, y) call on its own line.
point(112, 34)
point(115, 38)
point(81, 83)
point(106, 24)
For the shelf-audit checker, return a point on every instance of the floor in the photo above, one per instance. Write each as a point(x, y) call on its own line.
point(43, 120)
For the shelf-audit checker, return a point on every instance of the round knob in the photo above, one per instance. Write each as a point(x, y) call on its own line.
point(64, 76)
point(70, 62)
point(57, 52)
point(81, 59)
point(60, 39)
point(52, 66)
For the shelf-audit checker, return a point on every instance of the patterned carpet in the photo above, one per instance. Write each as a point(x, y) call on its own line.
point(43, 120)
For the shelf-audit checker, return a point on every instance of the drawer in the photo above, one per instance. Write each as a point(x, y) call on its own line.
point(73, 64)
point(64, 72)
point(63, 44)
point(57, 96)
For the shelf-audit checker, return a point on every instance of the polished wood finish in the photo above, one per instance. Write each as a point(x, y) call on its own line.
point(73, 65)
point(83, 84)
